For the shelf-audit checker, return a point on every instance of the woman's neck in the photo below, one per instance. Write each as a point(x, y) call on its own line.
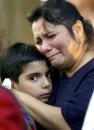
point(84, 59)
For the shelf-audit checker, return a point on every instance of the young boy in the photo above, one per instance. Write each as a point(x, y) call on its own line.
point(28, 70)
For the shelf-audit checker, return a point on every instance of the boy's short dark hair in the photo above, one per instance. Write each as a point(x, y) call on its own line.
point(14, 58)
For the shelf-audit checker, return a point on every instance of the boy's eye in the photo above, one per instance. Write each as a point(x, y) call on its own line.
point(34, 77)
point(48, 75)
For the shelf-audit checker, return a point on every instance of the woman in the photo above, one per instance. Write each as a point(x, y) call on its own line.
point(66, 39)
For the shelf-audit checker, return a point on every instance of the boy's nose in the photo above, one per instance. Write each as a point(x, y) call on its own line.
point(46, 83)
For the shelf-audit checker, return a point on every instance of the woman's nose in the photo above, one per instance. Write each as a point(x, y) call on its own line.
point(46, 47)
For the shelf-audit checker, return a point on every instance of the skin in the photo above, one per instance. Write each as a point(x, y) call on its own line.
point(59, 46)
point(35, 80)
point(65, 52)
point(48, 116)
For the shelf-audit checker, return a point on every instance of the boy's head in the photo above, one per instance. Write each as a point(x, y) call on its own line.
point(28, 70)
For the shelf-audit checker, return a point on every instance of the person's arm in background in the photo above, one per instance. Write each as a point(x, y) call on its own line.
point(11, 117)
point(48, 116)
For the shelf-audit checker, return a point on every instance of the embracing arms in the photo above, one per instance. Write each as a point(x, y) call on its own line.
point(48, 116)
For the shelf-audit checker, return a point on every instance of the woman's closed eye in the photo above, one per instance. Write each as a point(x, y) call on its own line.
point(38, 42)
point(51, 36)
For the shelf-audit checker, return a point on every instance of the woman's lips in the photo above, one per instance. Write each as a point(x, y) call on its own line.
point(50, 57)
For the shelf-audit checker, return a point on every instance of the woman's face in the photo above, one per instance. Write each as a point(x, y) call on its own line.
point(55, 41)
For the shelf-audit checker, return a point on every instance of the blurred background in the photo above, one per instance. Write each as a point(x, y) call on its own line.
point(15, 27)
point(13, 23)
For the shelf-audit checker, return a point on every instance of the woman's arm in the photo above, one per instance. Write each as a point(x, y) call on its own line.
point(49, 116)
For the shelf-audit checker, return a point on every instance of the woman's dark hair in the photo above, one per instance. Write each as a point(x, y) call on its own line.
point(61, 12)
point(13, 60)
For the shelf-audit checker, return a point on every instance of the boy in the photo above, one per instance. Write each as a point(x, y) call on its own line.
point(28, 71)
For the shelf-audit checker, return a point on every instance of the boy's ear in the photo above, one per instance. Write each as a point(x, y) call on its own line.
point(14, 85)
point(78, 31)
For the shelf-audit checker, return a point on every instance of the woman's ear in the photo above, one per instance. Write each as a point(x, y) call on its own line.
point(78, 31)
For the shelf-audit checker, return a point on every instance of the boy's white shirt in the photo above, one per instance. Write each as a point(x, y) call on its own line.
point(89, 117)
point(7, 83)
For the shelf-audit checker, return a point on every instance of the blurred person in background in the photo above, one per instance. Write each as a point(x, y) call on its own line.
point(86, 8)
point(11, 117)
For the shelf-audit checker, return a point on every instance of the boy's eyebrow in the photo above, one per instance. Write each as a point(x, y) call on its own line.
point(33, 73)
point(37, 73)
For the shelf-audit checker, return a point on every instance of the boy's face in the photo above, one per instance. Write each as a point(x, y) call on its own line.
point(35, 80)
